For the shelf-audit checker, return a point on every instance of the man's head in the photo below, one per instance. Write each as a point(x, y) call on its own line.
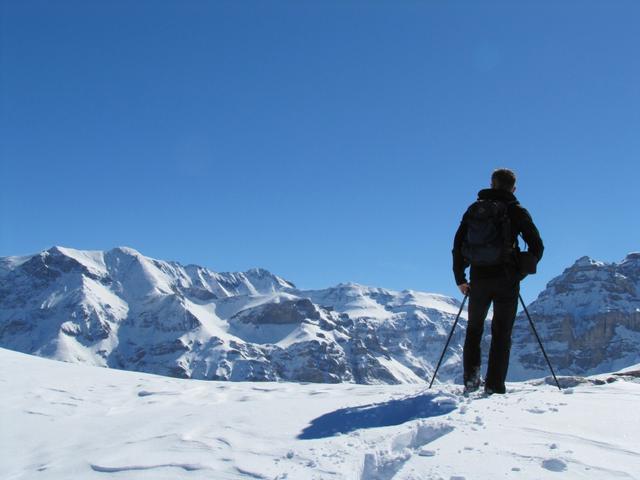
point(503, 179)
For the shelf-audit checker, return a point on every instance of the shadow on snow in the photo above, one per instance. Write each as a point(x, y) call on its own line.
point(393, 412)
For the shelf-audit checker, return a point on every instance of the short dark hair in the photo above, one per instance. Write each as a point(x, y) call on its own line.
point(503, 179)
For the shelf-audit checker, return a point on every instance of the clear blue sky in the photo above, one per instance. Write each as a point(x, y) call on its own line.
point(326, 141)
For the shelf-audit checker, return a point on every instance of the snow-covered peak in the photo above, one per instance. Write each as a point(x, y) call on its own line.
point(126, 251)
point(259, 272)
point(586, 261)
point(356, 289)
point(92, 260)
point(264, 281)
point(590, 287)
point(379, 304)
point(631, 261)
point(354, 299)
point(136, 275)
point(139, 276)
point(432, 301)
point(55, 262)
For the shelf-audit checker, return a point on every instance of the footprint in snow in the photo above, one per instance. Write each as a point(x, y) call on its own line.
point(420, 435)
point(424, 452)
point(554, 465)
point(147, 393)
point(536, 410)
point(384, 464)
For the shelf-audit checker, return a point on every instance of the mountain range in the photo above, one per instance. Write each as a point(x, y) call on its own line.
point(121, 309)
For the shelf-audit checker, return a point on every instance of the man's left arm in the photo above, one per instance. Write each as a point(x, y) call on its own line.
point(530, 234)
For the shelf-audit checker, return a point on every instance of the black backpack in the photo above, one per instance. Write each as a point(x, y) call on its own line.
point(488, 238)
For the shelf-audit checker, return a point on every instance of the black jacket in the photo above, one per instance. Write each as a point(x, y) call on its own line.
point(521, 224)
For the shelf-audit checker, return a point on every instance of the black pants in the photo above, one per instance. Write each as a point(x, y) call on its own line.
point(503, 292)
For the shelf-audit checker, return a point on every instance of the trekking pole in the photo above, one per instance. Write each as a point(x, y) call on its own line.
point(533, 327)
point(448, 340)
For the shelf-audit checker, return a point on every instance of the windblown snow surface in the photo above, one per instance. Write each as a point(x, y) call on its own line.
point(69, 421)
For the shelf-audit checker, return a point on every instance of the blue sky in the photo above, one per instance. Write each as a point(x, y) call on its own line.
point(325, 141)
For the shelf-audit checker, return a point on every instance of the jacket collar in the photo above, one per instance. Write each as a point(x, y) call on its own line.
point(495, 194)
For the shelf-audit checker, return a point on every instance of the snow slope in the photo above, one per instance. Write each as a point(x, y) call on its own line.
point(63, 421)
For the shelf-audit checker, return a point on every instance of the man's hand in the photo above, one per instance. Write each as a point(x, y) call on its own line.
point(465, 288)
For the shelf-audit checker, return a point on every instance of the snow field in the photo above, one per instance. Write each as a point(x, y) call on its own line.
point(69, 421)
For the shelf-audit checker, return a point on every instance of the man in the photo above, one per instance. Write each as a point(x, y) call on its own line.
point(496, 271)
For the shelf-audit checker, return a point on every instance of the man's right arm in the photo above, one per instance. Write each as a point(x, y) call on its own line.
point(459, 263)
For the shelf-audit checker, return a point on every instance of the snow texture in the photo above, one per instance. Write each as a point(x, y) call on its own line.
point(63, 421)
